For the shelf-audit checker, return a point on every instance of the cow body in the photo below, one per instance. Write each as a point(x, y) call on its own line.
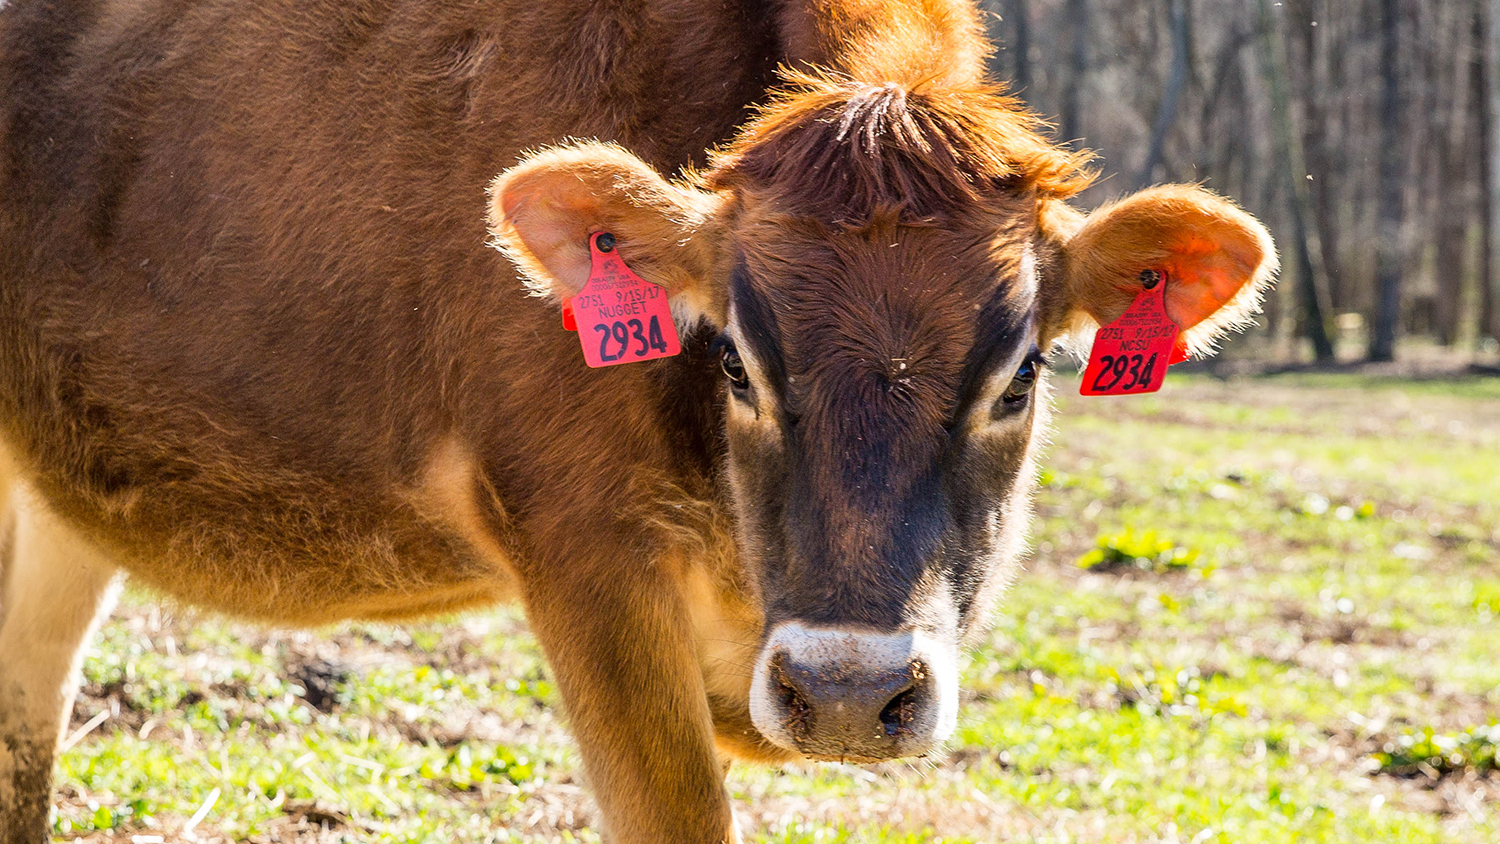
point(334, 378)
point(256, 354)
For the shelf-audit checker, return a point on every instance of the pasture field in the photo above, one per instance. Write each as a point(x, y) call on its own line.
point(1263, 610)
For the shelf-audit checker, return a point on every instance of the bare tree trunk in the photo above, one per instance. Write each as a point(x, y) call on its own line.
point(1472, 326)
point(1392, 184)
point(1166, 115)
point(1078, 20)
point(1457, 203)
point(1451, 236)
point(1312, 273)
point(1491, 286)
point(1306, 15)
point(1020, 16)
point(1226, 64)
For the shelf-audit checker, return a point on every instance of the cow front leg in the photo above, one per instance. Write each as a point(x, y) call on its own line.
point(621, 647)
point(53, 589)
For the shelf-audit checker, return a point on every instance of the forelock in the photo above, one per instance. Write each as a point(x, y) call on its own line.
point(843, 151)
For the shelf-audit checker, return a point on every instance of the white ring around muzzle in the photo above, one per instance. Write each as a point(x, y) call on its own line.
point(842, 653)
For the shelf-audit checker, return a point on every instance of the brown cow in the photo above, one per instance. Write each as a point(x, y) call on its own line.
point(255, 353)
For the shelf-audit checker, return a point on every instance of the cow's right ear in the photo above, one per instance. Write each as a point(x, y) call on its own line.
point(1218, 260)
point(543, 210)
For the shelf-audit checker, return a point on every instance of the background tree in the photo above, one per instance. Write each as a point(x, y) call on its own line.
point(1361, 131)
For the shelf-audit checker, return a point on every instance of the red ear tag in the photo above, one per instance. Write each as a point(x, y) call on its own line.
point(622, 318)
point(1179, 353)
point(1131, 354)
point(569, 322)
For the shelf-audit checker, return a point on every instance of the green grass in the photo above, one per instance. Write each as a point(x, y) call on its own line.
point(1308, 654)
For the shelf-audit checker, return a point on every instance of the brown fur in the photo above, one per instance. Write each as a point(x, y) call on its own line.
point(255, 352)
point(846, 148)
point(907, 43)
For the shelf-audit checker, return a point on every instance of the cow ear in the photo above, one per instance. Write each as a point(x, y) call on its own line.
point(1218, 261)
point(543, 210)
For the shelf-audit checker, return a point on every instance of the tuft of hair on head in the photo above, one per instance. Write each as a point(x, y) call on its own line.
point(844, 150)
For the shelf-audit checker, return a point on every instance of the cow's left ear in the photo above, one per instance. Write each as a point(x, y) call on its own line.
point(544, 209)
point(1218, 261)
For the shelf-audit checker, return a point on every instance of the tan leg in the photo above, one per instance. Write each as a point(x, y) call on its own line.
point(54, 588)
point(621, 648)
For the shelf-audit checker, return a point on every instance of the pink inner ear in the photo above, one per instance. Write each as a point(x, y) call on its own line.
point(555, 230)
point(1204, 276)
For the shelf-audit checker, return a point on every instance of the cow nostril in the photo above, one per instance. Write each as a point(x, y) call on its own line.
point(901, 710)
point(898, 715)
point(796, 712)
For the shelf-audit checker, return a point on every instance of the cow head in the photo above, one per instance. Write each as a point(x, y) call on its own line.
point(887, 269)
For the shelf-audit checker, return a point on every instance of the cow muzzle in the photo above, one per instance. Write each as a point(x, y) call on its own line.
point(851, 695)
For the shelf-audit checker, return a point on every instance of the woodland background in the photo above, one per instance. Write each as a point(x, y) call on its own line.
point(1363, 132)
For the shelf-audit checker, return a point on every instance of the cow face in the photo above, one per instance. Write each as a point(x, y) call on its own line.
point(886, 270)
point(884, 390)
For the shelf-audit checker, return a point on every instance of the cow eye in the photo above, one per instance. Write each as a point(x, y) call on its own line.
point(1022, 383)
point(734, 369)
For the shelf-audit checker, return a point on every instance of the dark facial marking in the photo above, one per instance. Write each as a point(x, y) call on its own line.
point(1001, 325)
point(758, 328)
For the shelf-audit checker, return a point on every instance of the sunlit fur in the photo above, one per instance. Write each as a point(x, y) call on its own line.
point(838, 149)
point(1217, 259)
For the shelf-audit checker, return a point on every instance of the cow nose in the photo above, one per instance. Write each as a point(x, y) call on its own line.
point(831, 707)
point(852, 695)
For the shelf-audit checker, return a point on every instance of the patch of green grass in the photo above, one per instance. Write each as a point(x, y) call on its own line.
point(1428, 752)
point(1143, 550)
point(1465, 386)
point(466, 767)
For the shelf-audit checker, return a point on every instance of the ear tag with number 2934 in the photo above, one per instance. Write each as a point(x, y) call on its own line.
point(619, 316)
point(1131, 354)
